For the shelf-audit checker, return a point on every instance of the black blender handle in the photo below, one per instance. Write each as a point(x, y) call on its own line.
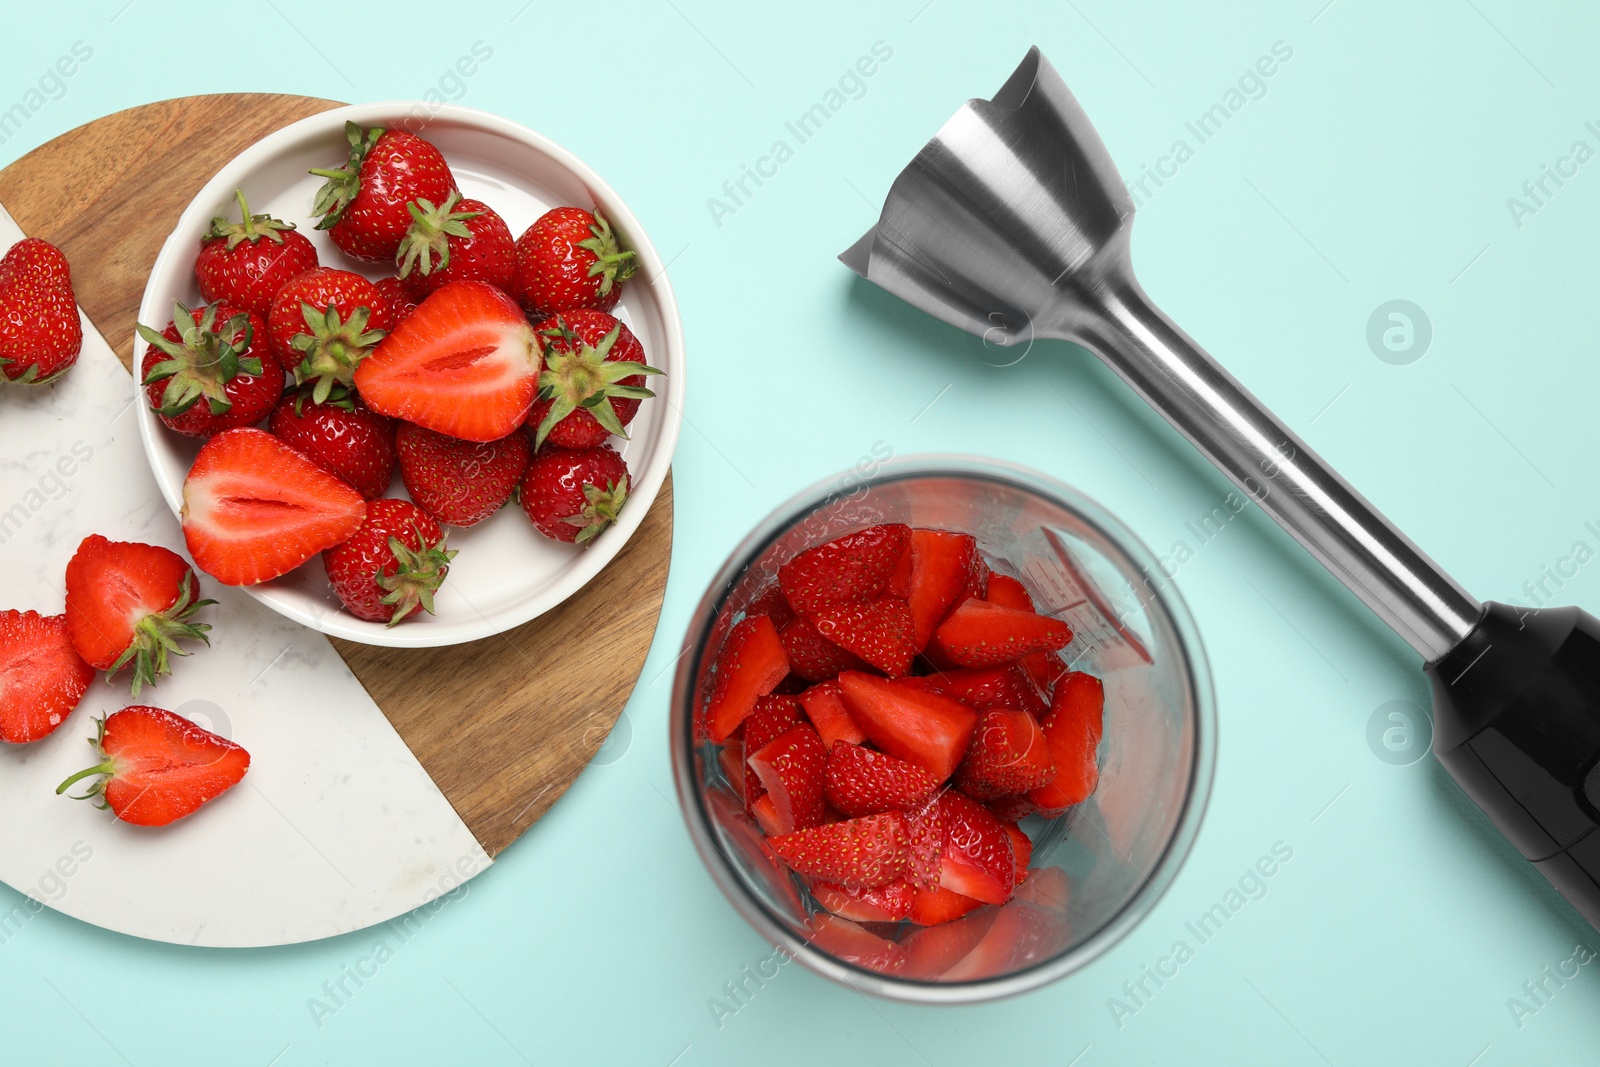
point(1517, 723)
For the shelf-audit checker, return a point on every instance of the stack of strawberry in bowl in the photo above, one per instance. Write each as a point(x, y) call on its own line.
point(484, 368)
point(886, 713)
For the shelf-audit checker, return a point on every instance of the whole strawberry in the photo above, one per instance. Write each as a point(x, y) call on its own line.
point(156, 767)
point(588, 390)
point(245, 263)
point(398, 297)
point(130, 604)
point(569, 259)
point(323, 324)
point(574, 494)
point(353, 442)
point(363, 205)
point(40, 335)
point(459, 482)
point(216, 373)
point(391, 566)
point(459, 240)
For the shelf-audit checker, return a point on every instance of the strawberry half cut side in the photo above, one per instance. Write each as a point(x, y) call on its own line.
point(254, 508)
point(156, 767)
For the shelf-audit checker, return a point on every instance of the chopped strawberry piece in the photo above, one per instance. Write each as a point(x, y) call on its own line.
point(1005, 686)
point(771, 716)
point(923, 728)
point(925, 831)
point(880, 904)
point(1044, 887)
point(750, 665)
point(879, 631)
point(853, 567)
point(790, 768)
point(1021, 851)
point(765, 812)
point(981, 634)
point(814, 657)
point(936, 948)
point(1008, 754)
point(899, 583)
point(930, 907)
point(1072, 730)
point(772, 604)
point(846, 941)
point(943, 567)
point(42, 677)
point(857, 852)
point(1013, 808)
point(1020, 936)
point(859, 781)
point(1043, 667)
point(824, 704)
point(977, 860)
point(750, 840)
point(730, 757)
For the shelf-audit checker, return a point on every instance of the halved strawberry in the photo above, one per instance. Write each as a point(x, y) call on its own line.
point(254, 508)
point(977, 860)
point(981, 634)
point(943, 566)
point(846, 941)
point(812, 656)
point(824, 705)
point(42, 677)
point(1072, 730)
point(156, 767)
point(465, 363)
point(931, 907)
point(860, 781)
point(1043, 667)
point(923, 728)
point(750, 665)
point(1008, 755)
point(1005, 686)
point(879, 631)
point(880, 904)
point(129, 604)
point(855, 566)
point(790, 768)
point(771, 716)
point(856, 852)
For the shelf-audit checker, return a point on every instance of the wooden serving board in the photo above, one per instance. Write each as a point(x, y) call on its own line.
point(502, 725)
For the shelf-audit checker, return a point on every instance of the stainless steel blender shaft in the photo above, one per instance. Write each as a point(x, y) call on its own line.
point(1013, 223)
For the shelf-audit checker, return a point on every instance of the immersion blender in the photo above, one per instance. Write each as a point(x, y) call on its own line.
point(1014, 223)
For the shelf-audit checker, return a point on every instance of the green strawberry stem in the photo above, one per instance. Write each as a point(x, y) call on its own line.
point(344, 182)
point(252, 227)
point(582, 377)
point(202, 362)
point(426, 244)
point(601, 511)
point(331, 349)
point(106, 768)
point(421, 572)
point(157, 635)
point(613, 262)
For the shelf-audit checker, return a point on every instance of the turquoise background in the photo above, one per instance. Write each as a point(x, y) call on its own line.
point(1377, 166)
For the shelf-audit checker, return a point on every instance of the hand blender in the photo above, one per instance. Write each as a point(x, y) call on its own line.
point(1013, 222)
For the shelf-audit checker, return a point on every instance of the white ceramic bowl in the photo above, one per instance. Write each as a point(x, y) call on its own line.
point(506, 573)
